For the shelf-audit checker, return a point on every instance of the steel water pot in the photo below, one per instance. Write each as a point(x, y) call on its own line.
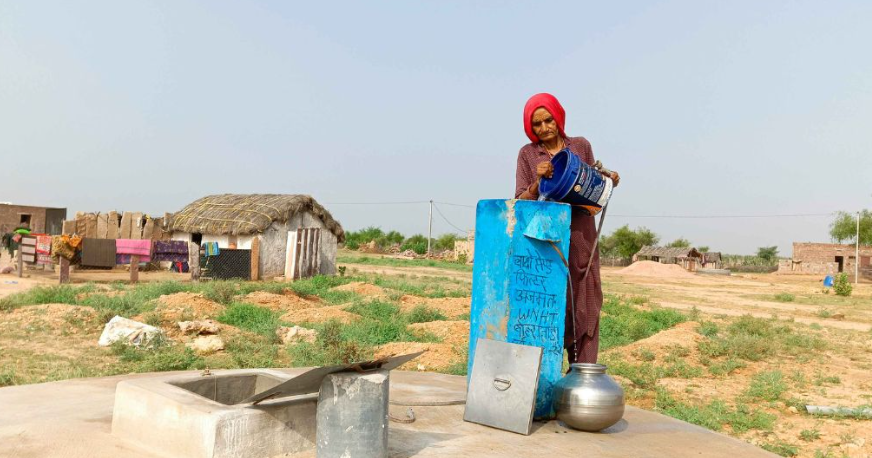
point(588, 399)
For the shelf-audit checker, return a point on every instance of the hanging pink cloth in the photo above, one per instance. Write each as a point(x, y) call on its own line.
point(134, 247)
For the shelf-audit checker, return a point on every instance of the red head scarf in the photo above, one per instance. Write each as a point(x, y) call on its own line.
point(548, 102)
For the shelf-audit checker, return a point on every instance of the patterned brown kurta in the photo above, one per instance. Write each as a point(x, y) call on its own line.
point(589, 296)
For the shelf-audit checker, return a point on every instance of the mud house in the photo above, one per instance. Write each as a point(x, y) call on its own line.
point(45, 220)
point(827, 259)
point(689, 258)
point(285, 232)
point(712, 260)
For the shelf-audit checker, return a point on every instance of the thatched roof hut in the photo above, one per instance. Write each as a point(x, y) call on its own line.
point(246, 214)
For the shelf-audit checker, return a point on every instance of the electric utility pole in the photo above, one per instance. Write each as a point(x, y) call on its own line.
point(857, 254)
point(430, 229)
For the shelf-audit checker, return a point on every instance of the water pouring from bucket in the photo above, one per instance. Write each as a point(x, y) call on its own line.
point(576, 183)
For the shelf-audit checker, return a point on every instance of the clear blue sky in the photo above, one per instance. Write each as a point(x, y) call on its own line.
point(706, 108)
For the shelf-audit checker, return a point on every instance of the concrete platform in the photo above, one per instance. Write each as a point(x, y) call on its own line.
point(73, 419)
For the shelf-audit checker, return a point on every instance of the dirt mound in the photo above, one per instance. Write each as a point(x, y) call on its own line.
point(320, 315)
point(437, 355)
point(451, 307)
point(364, 289)
point(187, 306)
point(655, 269)
point(451, 332)
point(665, 342)
point(287, 301)
point(53, 316)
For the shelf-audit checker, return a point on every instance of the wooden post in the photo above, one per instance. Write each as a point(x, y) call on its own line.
point(134, 268)
point(65, 270)
point(255, 258)
point(194, 261)
point(20, 261)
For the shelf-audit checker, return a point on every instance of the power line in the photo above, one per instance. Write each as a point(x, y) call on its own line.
point(454, 205)
point(798, 215)
point(463, 231)
point(377, 203)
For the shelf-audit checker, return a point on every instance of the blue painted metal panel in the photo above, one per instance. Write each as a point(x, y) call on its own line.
point(519, 282)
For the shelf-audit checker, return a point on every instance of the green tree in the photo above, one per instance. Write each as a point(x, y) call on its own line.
point(625, 242)
point(844, 227)
point(445, 242)
point(767, 253)
point(703, 249)
point(680, 242)
point(416, 243)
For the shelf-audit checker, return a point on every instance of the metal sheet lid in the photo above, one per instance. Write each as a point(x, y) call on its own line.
point(310, 381)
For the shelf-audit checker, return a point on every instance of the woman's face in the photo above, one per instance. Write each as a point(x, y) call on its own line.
point(544, 125)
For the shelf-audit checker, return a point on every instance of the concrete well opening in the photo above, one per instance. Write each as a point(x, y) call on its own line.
point(229, 389)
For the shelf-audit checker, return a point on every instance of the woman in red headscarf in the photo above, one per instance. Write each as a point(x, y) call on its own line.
point(544, 121)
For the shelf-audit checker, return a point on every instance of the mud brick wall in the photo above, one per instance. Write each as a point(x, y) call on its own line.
point(10, 217)
point(820, 258)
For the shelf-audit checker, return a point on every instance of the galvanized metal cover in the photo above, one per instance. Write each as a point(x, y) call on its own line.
point(502, 385)
point(310, 381)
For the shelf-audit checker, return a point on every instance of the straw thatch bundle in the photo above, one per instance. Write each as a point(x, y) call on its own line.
point(243, 214)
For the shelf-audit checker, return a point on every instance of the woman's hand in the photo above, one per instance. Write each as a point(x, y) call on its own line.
point(545, 169)
point(615, 178)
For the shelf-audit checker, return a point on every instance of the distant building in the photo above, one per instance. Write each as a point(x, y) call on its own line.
point(689, 258)
point(293, 230)
point(827, 259)
point(43, 220)
point(465, 247)
point(711, 260)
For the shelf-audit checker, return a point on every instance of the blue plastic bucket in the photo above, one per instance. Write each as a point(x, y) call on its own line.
point(576, 183)
point(828, 281)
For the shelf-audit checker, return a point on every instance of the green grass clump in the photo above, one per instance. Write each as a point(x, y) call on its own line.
point(252, 352)
point(57, 294)
point(424, 314)
point(158, 357)
point(708, 329)
point(260, 320)
point(330, 348)
point(322, 287)
point(725, 367)
point(395, 262)
point(622, 323)
point(715, 414)
point(428, 289)
point(781, 448)
point(767, 386)
point(810, 435)
point(754, 339)
point(8, 377)
point(785, 297)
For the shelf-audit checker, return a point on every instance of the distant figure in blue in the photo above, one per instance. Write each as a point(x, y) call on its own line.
point(544, 121)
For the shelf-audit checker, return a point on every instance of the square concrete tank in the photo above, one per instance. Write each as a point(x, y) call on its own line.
point(199, 416)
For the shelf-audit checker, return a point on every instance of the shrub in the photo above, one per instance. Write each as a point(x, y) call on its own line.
point(784, 297)
point(416, 243)
point(841, 285)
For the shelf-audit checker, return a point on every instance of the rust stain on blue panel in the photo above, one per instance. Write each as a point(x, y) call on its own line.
point(519, 282)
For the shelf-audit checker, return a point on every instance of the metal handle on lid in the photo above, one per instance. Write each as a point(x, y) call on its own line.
point(502, 384)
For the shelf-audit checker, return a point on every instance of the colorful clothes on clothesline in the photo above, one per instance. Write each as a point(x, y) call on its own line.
point(129, 246)
point(98, 252)
point(43, 244)
point(125, 248)
point(170, 250)
point(211, 249)
point(64, 246)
